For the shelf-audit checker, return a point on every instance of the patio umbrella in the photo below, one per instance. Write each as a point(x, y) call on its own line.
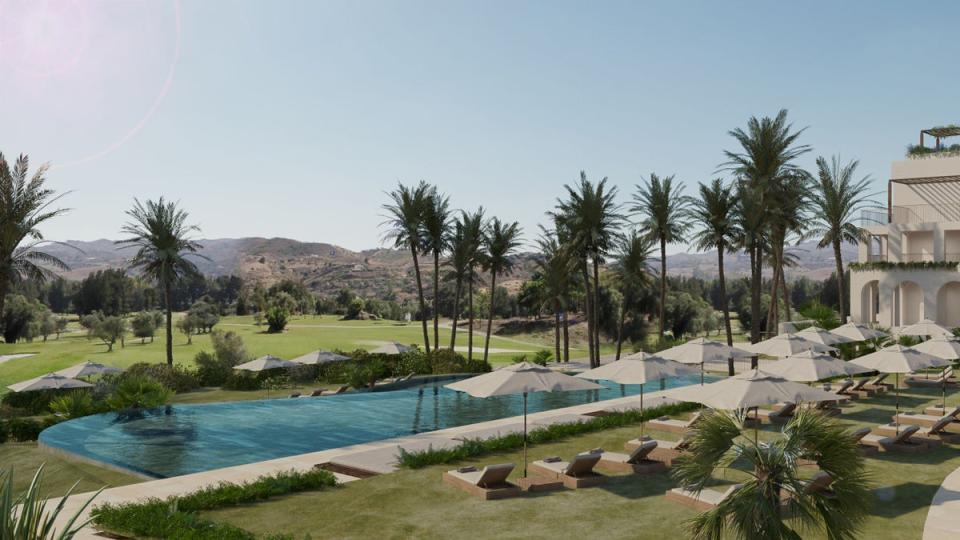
point(810, 366)
point(87, 369)
point(926, 327)
point(50, 381)
point(320, 357)
point(265, 363)
point(639, 369)
point(898, 359)
point(784, 345)
point(823, 337)
point(392, 348)
point(702, 350)
point(947, 348)
point(857, 332)
point(521, 378)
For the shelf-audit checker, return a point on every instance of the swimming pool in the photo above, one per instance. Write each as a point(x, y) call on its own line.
point(183, 439)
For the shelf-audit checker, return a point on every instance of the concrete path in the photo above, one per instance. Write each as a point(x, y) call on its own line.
point(9, 357)
point(378, 457)
point(943, 518)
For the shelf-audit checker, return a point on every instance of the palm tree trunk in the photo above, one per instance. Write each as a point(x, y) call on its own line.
point(486, 343)
point(773, 312)
point(4, 285)
point(623, 316)
point(423, 304)
point(436, 298)
point(723, 296)
point(470, 315)
point(837, 257)
point(588, 305)
point(756, 267)
point(556, 329)
point(786, 293)
point(596, 309)
point(166, 296)
point(566, 335)
point(663, 284)
point(456, 314)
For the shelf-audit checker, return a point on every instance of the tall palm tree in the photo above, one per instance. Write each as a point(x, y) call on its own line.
point(713, 213)
point(664, 209)
point(838, 198)
point(464, 246)
point(474, 229)
point(24, 206)
point(405, 215)
point(589, 220)
point(768, 149)
point(159, 231)
point(436, 233)
point(633, 272)
point(773, 501)
point(500, 241)
point(787, 219)
point(556, 266)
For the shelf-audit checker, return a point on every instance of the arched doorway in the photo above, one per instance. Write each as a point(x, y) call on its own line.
point(911, 303)
point(870, 301)
point(948, 305)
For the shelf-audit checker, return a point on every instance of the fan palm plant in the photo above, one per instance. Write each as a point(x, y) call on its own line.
point(500, 241)
point(664, 211)
point(27, 517)
point(24, 206)
point(839, 196)
point(436, 235)
point(714, 213)
point(405, 214)
point(162, 237)
point(774, 501)
point(633, 273)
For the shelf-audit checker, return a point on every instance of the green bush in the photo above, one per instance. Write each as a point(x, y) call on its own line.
point(444, 361)
point(4, 432)
point(73, 404)
point(277, 318)
point(25, 429)
point(211, 371)
point(366, 372)
point(177, 378)
point(138, 392)
point(30, 403)
point(242, 381)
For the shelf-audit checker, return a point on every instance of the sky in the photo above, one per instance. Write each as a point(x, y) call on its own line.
point(291, 119)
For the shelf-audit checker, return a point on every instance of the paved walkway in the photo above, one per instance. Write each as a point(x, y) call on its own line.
point(9, 357)
point(377, 457)
point(943, 518)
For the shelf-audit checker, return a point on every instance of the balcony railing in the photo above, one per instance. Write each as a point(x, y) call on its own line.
point(916, 257)
point(877, 257)
point(951, 256)
point(913, 213)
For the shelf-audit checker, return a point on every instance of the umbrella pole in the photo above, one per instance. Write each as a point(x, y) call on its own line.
point(896, 381)
point(524, 434)
point(641, 411)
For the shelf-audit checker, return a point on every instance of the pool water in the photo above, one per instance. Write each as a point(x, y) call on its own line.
point(182, 439)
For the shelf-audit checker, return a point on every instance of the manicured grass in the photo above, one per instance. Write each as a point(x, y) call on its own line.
point(59, 473)
point(304, 334)
point(414, 503)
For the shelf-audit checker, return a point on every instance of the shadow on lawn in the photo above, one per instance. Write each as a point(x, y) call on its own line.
point(638, 486)
point(900, 499)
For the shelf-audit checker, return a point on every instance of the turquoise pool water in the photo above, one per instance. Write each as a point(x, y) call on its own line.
point(183, 439)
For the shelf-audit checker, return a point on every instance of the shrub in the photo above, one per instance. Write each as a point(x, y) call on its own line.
point(242, 381)
point(542, 357)
point(303, 374)
point(30, 403)
point(447, 361)
point(366, 372)
point(138, 392)
point(73, 404)
point(414, 361)
point(229, 347)
point(211, 371)
point(25, 429)
point(177, 378)
point(277, 319)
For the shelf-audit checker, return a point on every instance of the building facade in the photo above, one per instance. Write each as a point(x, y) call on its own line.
point(908, 265)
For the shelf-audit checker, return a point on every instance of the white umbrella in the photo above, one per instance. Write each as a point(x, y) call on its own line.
point(947, 348)
point(810, 366)
point(898, 359)
point(702, 350)
point(320, 357)
point(823, 337)
point(926, 327)
point(265, 363)
point(50, 381)
point(521, 378)
point(857, 332)
point(784, 345)
point(392, 348)
point(639, 369)
point(87, 369)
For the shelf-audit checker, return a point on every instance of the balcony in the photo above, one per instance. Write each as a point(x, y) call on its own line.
point(877, 257)
point(917, 213)
point(916, 257)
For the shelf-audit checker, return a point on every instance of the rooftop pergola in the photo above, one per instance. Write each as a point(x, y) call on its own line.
point(940, 132)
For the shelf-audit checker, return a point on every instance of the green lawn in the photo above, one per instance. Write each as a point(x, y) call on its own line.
point(59, 473)
point(304, 334)
point(416, 504)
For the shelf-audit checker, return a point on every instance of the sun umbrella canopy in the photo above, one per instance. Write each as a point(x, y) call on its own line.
point(50, 381)
point(823, 337)
point(857, 332)
point(810, 366)
point(265, 363)
point(926, 327)
point(753, 388)
point(635, 369)
point(702, 350)
point(899, 359)
point(944, 347)
point(392, 348)
point(521, 378)
point(785, 345)
point(87, 369)
point(320, 357)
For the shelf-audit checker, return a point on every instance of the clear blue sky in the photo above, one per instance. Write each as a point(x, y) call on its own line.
point(291, 119)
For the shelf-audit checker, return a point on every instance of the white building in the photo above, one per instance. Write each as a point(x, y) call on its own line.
point(921, 230)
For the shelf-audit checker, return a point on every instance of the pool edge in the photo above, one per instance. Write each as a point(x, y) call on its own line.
point(57, 451)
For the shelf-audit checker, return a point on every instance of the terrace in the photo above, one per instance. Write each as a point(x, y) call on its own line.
point(939, 149)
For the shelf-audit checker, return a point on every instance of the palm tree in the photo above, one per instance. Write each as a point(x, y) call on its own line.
point(556, 267)
point(501, 240)
point(24, 206)
point(464, 246)
point(664, 210)
point(838, 198)
point(787, 218)
point(436, 233)
point(768, 149)
point(713, 212)
point(632, 268)
point(773, 501)
point(159, 231)
point(405, 215)
point(474, 229)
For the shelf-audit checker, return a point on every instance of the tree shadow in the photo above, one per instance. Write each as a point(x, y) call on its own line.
point(897, 500)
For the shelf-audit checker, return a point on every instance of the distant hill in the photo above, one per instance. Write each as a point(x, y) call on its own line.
point(326, 268)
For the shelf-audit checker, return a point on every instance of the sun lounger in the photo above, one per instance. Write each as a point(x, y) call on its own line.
point(341, 389)
point(818, 483)
point(665, 451)
point(876, 384)
point(857, 390)
point(665, 423)
point(924, 420)
point(487, 484)
point(943, 378)
point(638, 461)
point(575, 474)
point(782, 413)
point(937, 430)
point(901, 442)
point(842, 388)
point(295, 395)
point(705, 500)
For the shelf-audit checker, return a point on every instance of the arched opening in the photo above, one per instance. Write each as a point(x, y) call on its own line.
point(948, 305)
point(870, 301)
point(911, 303)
